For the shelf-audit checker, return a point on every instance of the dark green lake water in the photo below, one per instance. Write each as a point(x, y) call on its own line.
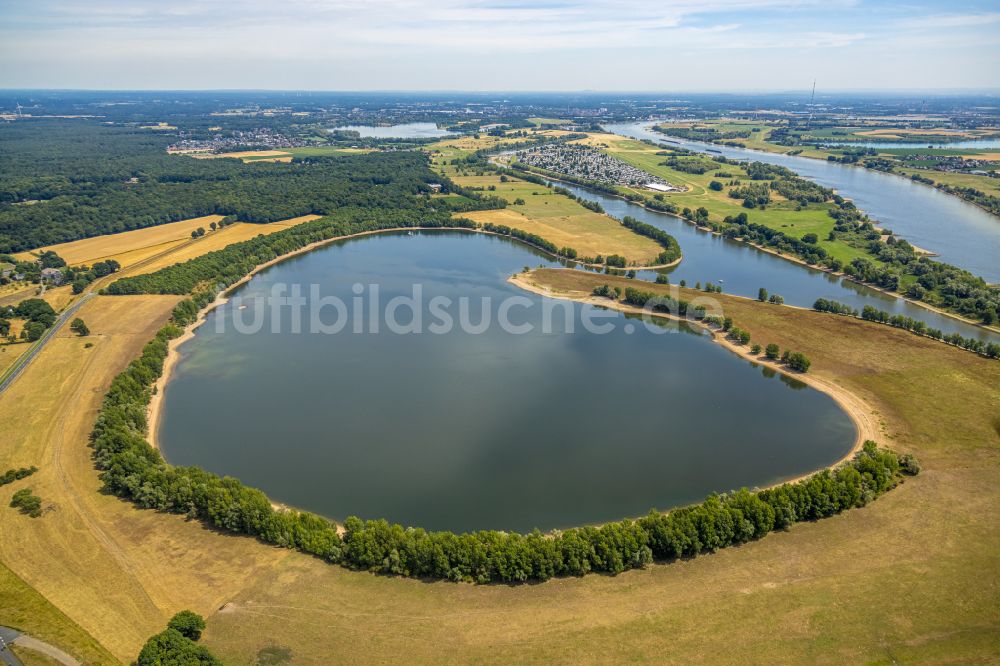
point(467, 430)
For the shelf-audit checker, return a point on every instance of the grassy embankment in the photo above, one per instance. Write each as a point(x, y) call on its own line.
point(554, 217)
point(24, 609)
point(908, 577)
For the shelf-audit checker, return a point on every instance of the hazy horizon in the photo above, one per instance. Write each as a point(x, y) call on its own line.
point(577, 46)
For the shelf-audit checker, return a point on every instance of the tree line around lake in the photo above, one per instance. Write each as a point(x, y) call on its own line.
point(131, 469)
point(135, 471)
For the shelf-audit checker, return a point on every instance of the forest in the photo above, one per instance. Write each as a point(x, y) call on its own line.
point(64, 181)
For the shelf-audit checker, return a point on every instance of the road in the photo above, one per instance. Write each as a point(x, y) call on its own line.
point(10, 637)
point(20, 364)
point(7, 637)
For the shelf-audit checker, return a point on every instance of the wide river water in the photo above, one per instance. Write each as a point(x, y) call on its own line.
point(969, 143)
point(742, 270)
point(962, 234)
point(467, 430)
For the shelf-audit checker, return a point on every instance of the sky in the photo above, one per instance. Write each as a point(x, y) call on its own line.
point(627, 45)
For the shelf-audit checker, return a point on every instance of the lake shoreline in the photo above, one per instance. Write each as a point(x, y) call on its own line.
point(865, 424)
point(864, 420)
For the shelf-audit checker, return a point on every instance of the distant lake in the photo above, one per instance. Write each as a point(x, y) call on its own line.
point(404, 131)
point(467, 430)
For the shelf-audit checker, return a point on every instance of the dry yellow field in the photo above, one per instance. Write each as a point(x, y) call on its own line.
point(234, 233)
point(588, 233)
point(12, 294)
point(127, 246)
point(989, 157)
point(117, 572)
point(599, 140)
point(251, 155)
point(10, 353)
point(58, 297)
point(152, 248)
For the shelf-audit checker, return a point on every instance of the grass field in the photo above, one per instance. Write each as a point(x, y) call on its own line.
point(216, 240)
point(985, 184)
point(24, 609)
point(590, 235)
point(117, 572)
point(127, 247)
point(780, 215)
point(284, 154)
point(539, 122)
point(554, 217)
point(10, 353)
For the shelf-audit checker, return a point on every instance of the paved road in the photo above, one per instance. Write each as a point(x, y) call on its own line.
point(92, 289)
point(7, 637)
point(20, 364)
point(10, 636)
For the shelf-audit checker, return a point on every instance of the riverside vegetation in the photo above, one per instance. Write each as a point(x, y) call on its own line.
point(849, 242)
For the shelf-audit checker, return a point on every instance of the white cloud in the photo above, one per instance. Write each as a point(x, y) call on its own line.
point(943, 21)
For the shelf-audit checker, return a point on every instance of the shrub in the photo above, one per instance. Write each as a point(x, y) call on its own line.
point(172, 648)
point(188, 623)
point(79, 327)
point(27, 502)
point(797, 361)
point(12, 475)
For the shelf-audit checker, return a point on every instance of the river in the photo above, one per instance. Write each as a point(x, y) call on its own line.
point(742, 269)
point(961, 234)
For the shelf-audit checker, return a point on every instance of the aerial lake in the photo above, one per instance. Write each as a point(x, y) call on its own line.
point(404, 131)
point(487, 429)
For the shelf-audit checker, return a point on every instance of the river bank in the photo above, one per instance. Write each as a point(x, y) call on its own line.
point(787, 257)
point(962, 234)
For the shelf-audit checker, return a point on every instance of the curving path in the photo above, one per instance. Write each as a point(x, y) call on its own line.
point(10, 637)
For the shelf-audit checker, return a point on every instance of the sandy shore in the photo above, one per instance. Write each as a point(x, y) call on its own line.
point(865, 419)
